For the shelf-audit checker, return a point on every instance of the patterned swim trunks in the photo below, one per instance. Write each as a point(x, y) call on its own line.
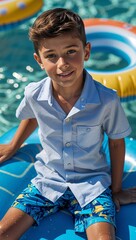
point(101, 209)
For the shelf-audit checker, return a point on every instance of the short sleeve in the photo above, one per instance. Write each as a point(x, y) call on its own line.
point(116, 125)
point(24, 110)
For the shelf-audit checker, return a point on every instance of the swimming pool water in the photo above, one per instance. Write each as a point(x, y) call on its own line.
point(18, 68)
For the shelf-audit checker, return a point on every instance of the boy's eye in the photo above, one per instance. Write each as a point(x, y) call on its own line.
point(71, 51)
point(51, 56)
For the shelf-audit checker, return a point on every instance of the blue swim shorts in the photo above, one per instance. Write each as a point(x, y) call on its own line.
point(101, 209)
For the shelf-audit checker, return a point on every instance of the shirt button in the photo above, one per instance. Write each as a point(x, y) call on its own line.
point(68, 144)
point(88, 129)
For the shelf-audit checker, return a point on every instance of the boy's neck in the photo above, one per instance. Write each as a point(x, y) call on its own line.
point(67, 97)
point(65, 104)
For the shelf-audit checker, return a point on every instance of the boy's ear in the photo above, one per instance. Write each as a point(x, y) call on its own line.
point(38, 60)
point(87, 51)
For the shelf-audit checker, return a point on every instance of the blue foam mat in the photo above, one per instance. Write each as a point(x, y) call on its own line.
point(16, 173)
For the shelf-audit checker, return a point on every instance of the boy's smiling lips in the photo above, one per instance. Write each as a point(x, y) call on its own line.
point(65, 74)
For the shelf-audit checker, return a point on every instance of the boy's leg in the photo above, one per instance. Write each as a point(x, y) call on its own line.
point(97, 218)
point(101, 231)
point(29, 208)
point(14, 224)
point(101, 224)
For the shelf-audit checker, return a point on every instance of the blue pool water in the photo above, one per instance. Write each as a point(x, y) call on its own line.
point(17, 67)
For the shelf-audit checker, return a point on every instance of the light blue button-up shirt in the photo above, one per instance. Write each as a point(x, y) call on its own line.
point(72, 153)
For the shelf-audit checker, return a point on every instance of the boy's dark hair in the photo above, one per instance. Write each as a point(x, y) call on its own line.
point(53, 23)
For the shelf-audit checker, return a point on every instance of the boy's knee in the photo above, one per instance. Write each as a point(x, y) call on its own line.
point(3, 234)
point(103, 237)
point(106, 232)
point(1, 231)
point(106, 237)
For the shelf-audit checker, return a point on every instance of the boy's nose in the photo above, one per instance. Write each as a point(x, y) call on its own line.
point(62, 63)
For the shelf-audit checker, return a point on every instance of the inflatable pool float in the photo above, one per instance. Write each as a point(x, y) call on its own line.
point(13, 12)
point(118, 38)
point(16, 173)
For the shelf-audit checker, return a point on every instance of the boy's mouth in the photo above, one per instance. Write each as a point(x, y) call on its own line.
point(65, 74)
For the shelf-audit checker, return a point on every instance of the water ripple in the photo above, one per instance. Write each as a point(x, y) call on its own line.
point(18, 68)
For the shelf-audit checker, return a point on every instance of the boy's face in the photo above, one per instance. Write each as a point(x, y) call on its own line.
point(63, 59)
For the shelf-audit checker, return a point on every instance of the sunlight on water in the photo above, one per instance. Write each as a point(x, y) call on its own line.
point(17, 67)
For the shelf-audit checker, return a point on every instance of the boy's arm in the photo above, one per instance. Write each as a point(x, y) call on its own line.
point(24, 130)
point(117, 156)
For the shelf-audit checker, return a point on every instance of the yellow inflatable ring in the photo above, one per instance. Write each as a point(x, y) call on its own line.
point(13, 12)
point(118, 38)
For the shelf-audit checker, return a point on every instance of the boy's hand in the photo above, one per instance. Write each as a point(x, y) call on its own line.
point(123, 197)
point(6, 152)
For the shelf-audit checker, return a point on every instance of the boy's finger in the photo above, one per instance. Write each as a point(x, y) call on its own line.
point(117, 204)
point(132, 193)
point(2, 159)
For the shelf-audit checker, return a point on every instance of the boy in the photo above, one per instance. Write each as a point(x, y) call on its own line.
point(72, 112)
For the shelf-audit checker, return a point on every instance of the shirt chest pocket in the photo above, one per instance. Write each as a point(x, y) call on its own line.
point(88, 136)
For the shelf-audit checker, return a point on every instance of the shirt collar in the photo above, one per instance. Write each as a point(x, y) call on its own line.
point(89, 94)
point(46, 91)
